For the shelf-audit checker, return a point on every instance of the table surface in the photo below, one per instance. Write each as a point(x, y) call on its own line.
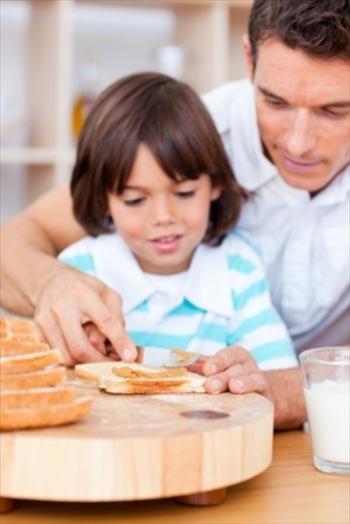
point(291, 491)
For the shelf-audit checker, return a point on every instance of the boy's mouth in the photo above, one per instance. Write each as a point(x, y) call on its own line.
point(166, 244)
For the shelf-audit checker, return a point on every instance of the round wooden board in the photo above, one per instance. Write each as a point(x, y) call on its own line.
point(141, 447)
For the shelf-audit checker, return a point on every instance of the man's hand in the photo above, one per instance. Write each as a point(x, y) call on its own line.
point(232, 369)
point(70, 300)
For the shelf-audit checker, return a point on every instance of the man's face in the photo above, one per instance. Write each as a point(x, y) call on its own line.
point(303, 112)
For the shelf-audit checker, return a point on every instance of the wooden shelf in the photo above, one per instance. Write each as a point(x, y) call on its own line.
point(165, 4)
point(209, 31)
point(37, 156)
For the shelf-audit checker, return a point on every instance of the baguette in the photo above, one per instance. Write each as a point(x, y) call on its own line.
point(30, 362)
point(44, 416)
point(11, 347)
point(29, 398)
point(37, 379)
point(103, 375)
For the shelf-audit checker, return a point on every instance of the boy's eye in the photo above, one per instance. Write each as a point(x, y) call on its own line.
point(185, 194)
point(133, 201)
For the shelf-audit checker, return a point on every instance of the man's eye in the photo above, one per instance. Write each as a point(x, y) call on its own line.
point(334, 113)
point(275, 103)
point(133, 202)
point(185, 194)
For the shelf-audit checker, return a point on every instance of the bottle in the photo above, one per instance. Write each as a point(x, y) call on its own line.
point(89, 91)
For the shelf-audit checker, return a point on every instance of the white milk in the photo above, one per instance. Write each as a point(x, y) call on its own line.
point(328, 408)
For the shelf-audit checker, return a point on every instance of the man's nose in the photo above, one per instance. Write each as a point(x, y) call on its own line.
point(301, 136)
point(163, 212)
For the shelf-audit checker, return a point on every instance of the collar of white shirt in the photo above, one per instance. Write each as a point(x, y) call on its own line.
point(206, 285)
point(253, 169)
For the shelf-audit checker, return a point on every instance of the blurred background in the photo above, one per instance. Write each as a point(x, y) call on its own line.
point(57, 56)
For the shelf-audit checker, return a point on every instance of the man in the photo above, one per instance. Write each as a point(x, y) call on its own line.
point(287, 136)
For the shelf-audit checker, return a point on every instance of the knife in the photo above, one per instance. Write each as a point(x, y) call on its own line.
point(170, 358)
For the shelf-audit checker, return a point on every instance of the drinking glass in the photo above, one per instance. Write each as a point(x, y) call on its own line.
point(326, 378)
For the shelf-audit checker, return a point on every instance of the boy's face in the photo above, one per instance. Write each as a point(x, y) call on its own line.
point(303, 112)
point(161, 221)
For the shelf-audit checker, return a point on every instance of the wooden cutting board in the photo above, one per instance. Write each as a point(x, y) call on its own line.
point(141, 447)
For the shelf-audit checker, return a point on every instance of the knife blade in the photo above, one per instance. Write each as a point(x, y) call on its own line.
point(170, 358)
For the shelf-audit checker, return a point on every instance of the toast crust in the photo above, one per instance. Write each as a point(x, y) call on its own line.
point(31, 390)
point(39, 397)
point(129, 372)
point(30, 362)
point(18, 328)
point(37, 379)
point(44, 416)
point(153, 388)
point(11, 347)
point(103, 375)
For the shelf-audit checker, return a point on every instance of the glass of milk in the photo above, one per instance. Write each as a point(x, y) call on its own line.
point(326, 377)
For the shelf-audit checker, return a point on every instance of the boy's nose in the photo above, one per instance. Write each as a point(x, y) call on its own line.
point(163, 214)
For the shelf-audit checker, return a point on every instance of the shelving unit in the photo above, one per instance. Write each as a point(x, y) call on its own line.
point(209, 31)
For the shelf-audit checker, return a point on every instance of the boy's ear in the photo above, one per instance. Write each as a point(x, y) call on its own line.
point(247, 50)
point(215, 193)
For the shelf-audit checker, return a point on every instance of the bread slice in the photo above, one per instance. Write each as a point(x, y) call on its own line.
point(105, 376)
point(28, 398)
point(18, 328)
point(44, 416)
point(30, 362)
point(11, 347)
point(37, 379)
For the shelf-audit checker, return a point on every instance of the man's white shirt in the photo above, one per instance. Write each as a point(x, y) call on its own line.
point(304, 242)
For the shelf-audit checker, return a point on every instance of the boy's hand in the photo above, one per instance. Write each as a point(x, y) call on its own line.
point(232, 369)
point(68, 301)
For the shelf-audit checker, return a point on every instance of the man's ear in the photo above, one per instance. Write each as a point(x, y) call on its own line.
point(247, 50)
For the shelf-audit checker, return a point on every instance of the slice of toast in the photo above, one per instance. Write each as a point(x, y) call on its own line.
point(30, 362)
point(18, 328)
point(28, 398)
point(12, 346)
point(44, 416)
point(37, 379)
point(105, 376)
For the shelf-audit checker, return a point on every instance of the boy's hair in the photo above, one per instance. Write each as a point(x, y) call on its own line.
point(170, 119)
point(320, 28)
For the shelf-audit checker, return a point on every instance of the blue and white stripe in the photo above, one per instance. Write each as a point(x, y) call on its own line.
point(225, 300)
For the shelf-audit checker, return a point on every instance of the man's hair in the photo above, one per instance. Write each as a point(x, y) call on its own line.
point(169, 118)
point(320, 28)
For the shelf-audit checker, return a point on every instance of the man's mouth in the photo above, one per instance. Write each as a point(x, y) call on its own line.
point(298, 166)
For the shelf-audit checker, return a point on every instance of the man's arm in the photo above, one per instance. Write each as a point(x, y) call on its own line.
point(233, 369)
point(30, 243)
point(62, 300)
point(288, 396)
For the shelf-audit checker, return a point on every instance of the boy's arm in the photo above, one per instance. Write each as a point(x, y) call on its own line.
point(233, 369)
point(34, 283)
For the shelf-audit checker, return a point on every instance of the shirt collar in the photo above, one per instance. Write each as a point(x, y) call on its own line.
point(252, 168)
point(337, 191)
point(121, 271)
point(206, 285)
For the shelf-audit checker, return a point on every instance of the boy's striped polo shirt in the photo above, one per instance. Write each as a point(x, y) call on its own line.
point(223, 299)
